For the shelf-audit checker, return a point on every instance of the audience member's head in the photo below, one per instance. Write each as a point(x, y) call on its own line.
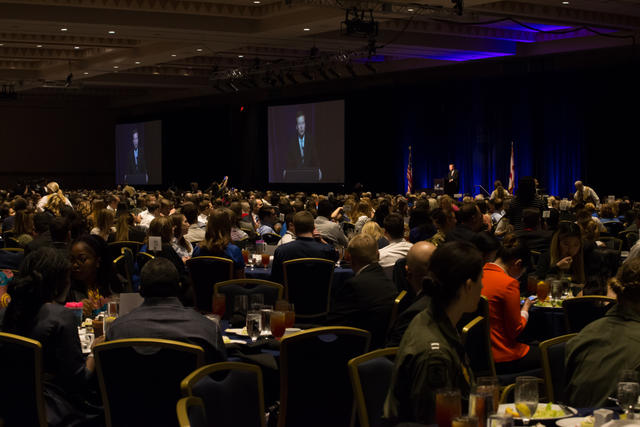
point(363, 250)
point(418, 263)
point(303, 223)
point(514, 255)
point(531, 218)
point(394, 226)
point(159, 278)
point(190, 212)
point(325, 208)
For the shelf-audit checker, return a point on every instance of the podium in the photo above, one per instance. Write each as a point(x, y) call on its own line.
point(301, 175)
point(136, 178)
point(438, 185)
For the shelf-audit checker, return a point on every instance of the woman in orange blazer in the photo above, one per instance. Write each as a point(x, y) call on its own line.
point(507, 319)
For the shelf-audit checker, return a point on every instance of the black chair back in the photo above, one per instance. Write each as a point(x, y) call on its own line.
point(477, 343)
point(307, 284)
point(314, 381)
point(191, 412)
point(21, 393)
point(552, 356)
point(271, 291)
point(140, 379)
point(271, 238)
point(581, 311)
point(115, 248)
point(613, 228)
point(205, 272)
point(232, 393)
point(124, 265)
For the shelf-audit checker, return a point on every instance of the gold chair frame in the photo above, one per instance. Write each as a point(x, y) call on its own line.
point(182, 409)
point(546, 365)
point(394, 309)
point(358, 393)
point(187, 384)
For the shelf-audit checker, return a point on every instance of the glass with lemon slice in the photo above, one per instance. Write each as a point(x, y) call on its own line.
point(526, 397)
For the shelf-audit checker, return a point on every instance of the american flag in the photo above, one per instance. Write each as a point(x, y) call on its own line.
point(512, 171)
point(409, 174)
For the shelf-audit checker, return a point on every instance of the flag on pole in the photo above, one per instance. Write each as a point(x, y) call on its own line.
point(409, 174)
point(512, 171)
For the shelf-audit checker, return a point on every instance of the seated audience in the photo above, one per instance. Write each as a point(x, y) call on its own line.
point(163, 316)
point(417, 300)
point(37, 311)
point(398, 247)
point(363, 214)
point(125, 228)
point(469, 223)
point(179, 244)
point(420, 223)
point(565, 255)
point(305, 246)
point(104, 224)
point(365, 300)
point(289, 235)
point(329, 230)
point(507, 318)
point(217, 241)
point(196, 232)
point(445, 221)
point(431, 356)
point(163, 227)
point(531, 234)
point(595, 358)
point(267, 220)
point(374, 230)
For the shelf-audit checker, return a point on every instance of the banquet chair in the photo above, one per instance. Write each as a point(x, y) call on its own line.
point(272, 291)
point(612, 242)
point(232, 393)
point(477, 343)
point(140, 379)
point(123, 266)
point(314, 378)
point(205, 271)
point(11, 242)
point(242, 243)
point(629, 238)
point(552, 355)
point(115, 248)
point(191, 413)
point(613, 228)
point(370, 378)
point(307, 284)
point(22, 390)
point(270, 238)
point(142, 258)
point(13, 249)
point(396, 308)
point(580, 311)
point(399, 275)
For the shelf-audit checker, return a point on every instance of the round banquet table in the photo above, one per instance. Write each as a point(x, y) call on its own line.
point(544, 323)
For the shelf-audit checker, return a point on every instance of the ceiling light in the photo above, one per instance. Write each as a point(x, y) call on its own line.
point(306, 29)
point(565, 2)
point(155, 72)
point(111, 32)
point(173, 55)
point(115, 66)
point(63, 29)
point(85, 73)
point(76, 47)
point(410, 9)
point(138, 62)
point(199, 50)
point(240, 56)
point(39, 45)
point(256, 2)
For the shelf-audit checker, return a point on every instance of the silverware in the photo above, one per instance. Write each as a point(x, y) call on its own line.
point(566, 409)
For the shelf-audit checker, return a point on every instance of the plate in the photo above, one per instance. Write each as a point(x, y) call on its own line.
point(243, 332)
point(571, 422)
point(504, 406)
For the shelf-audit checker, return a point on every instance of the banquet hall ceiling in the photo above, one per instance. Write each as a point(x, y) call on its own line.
point(210, 46)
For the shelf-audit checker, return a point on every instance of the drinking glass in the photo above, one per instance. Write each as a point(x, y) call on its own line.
point(277, 324)
point(265, 260)
point(282, 305)
point(266, 311)
point(526, 393)
point(628, 390)
point(219, 304)
point(108, 320)
point(254, 327)
point(256, 301)
point(490, 385)
point(576, 288)
point(250, 261)
point(500, 420)
point(542, 290)
point(479, 404)
point(245, 256)
point(556, 290)
point(448, 406)
point(290, 316)
point(240, 304)
point(113, 308)
point(532, 283)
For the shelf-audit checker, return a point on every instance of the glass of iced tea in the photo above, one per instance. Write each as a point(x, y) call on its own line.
point(277, 324)
point(448, 406)
point(265, 260)
point(219, 304)
point(542, 290)
point(245, 256)
point(490, 385)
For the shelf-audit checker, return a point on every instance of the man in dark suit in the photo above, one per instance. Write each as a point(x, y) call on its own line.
point(365, 301)
point(305, 246)
point(302, 152)
point(136, 159)
point(453, 177)
point(416, 268)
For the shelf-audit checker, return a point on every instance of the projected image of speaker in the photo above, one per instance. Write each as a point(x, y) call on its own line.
point(306, 143)
point(139, 153)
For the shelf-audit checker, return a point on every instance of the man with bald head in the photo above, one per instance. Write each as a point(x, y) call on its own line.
point(416, 268)
point(585, 194)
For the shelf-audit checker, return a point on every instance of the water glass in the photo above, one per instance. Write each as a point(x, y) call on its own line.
point(266, 311)
point(526, 393)
point(448, 406)
point(467, 421)
point(628, 390)
point(254, 325)
point(500, 420)
point(556, 289)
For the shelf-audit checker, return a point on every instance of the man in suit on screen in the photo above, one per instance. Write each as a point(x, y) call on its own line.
point(302, 152)
point(136, 163)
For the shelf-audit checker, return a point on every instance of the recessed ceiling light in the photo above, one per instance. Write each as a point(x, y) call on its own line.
point(63, 29)
point(39, 45)
point(306, 29)
point(256, 2)
point(240, 56)
point(76, 47)
point(199, 50)
point(155, 72)
point(138, 62)
point(1, 44)
point(174, 55)
point(565, 2)
point(85, 73)
point(115, 66)
point(111, 32)
point(410, 9)
point(186, 74)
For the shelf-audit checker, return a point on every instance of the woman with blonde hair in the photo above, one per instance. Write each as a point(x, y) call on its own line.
point(363, 214)
point(374, 230)
point(104, 224)
point(217, 241)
